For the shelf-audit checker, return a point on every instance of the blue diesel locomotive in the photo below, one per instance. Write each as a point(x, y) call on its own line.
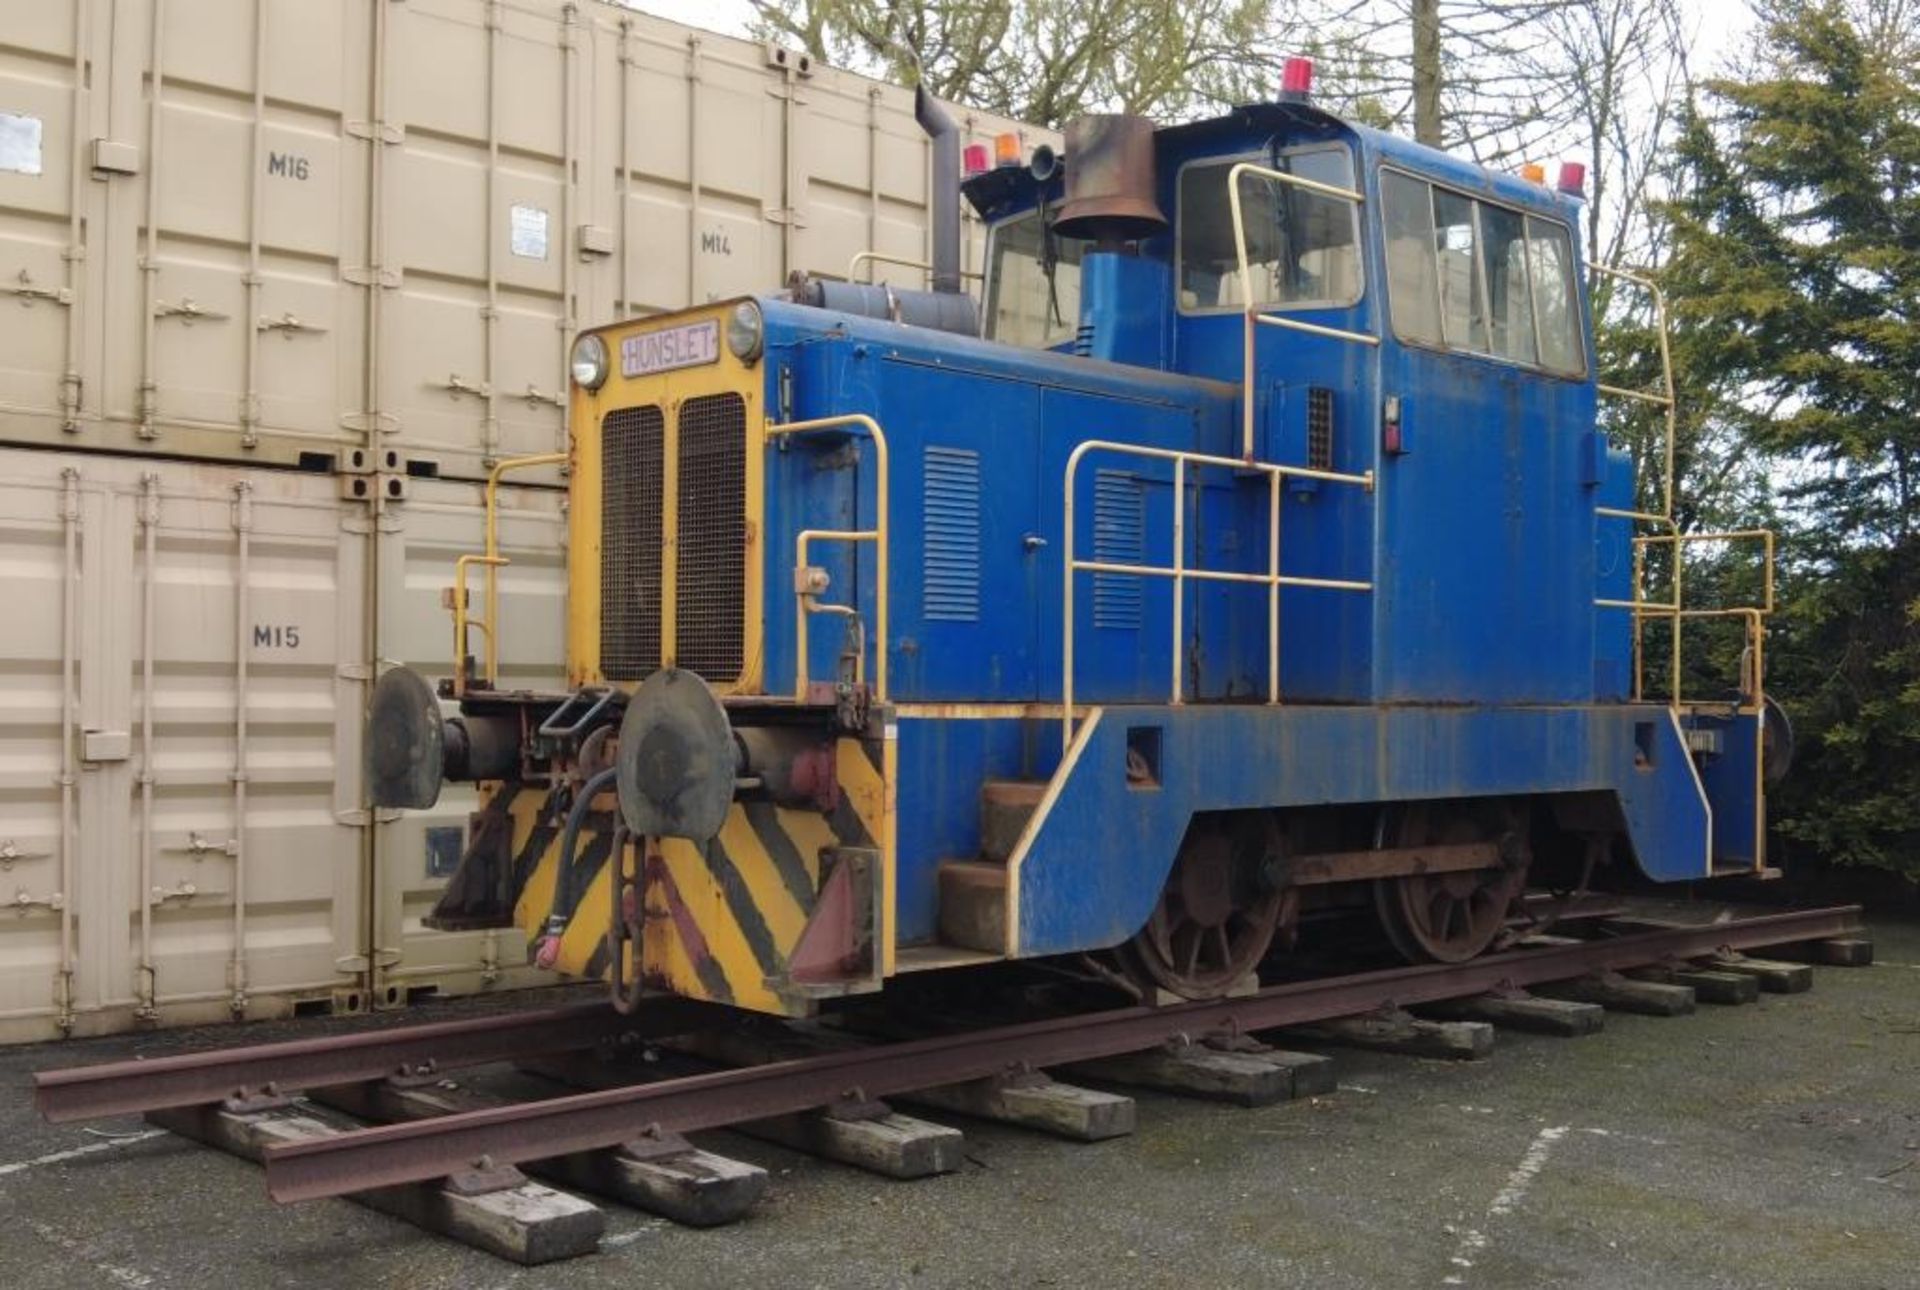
point(1248, 548)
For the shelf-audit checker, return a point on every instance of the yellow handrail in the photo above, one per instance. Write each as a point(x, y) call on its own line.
point(1664, 397)
point(1762, 536)
point(1675, 611)
point(807, 602)
point(491, 560)
point(461, 623)
point(882, 257)
point(1178, 571)
point(1254, 319)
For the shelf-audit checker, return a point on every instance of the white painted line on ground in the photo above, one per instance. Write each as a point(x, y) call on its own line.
point(1530, 1165)
point(132, 1278)
point(628, 1238)
point(57, 1157)
point(1505, 1201)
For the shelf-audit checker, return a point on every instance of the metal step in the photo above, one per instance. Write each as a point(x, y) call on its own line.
point(1005, 807)
point(973, 905)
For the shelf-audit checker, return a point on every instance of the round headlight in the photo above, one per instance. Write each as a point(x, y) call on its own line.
point(589, 362)
point(746, 331)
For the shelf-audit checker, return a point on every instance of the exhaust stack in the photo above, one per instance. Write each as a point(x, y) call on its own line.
point(945, 135)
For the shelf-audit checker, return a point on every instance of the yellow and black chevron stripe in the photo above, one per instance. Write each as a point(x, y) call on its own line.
point(721, 918)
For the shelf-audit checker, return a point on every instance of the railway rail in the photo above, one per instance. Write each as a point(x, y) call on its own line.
point(470, 1148)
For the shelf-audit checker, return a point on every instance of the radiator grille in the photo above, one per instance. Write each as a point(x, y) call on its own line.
point(710, 588)
point(631, 444)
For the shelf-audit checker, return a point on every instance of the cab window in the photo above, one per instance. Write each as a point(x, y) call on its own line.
point(1303, 247)
point(1033, 284)
point(1478, 277)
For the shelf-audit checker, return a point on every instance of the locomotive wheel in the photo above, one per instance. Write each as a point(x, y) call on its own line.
point(1214, 920)
point(1451, 917)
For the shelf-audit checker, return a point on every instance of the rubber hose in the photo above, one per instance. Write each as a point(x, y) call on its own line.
point(566, 898)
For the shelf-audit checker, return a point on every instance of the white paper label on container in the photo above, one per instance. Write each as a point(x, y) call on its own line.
point(688, 345)
point(527, 232)
point(20, 138)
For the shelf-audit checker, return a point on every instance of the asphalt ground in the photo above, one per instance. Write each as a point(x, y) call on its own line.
point(1771, 1145)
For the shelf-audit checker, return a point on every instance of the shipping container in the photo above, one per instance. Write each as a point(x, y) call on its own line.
point(174, 712)
point(182, 830)
point(359, 235)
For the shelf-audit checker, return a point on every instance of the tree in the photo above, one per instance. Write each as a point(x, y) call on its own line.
point(1047, 61)
point(1796, 283)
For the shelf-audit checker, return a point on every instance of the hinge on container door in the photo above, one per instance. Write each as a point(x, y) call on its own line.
point(188, 309)
point(385, 956)
point(23, 288)
point(457, 384)
point(351, 963)
point(787, 215)
point(368, 276)
point(378, 131)
point(359, 818)
point(383, 422)
point(10, 852)
point(24, 899)
point(287, 324)
point(197, 847)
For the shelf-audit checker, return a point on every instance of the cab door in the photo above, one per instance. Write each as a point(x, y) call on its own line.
point(1487, 585)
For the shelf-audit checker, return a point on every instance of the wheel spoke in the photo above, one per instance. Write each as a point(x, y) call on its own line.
point(1206, 927)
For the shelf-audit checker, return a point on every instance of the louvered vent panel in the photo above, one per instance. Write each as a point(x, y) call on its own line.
point(1319, 427)
point(950, 576)
point(631, 443)
point(710, 588)
point(1119, 537)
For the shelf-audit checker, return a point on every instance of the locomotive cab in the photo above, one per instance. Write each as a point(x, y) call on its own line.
point(1251, 548)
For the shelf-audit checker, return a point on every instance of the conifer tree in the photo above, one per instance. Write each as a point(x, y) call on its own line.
point(1795, 277)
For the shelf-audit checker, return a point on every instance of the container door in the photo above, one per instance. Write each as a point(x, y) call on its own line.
point(236, 230)
point(49, 211)
point(858, 172)
point(479, 228)
point(43, 541)
point(694, 144)
point(415, 852)
point(857, 176)
point(244, 605)
point(185, 660)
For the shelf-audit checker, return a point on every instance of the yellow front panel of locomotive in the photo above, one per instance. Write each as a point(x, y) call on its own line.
point(627, 347)
point(721, 919)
